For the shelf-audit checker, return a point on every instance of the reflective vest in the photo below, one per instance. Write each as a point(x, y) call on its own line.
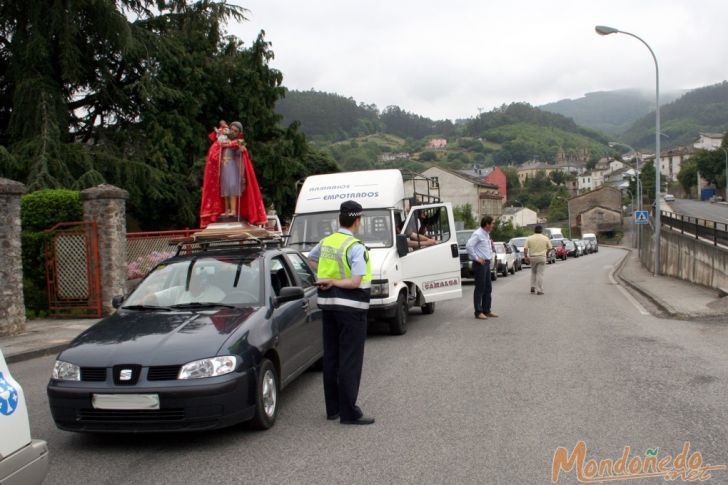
point(334, 264)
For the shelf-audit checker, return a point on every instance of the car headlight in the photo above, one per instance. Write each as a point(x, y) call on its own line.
point(212, 367)
point(64, 371)
point(379, 289)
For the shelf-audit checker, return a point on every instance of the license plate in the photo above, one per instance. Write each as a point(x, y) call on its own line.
point(125, 401)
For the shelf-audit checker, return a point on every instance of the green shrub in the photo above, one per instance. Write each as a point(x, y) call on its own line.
point(39, 211)
point(42, 209)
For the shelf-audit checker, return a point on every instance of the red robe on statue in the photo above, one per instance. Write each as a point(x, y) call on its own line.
point(250, 202)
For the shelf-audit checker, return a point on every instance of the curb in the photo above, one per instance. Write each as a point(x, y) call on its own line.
point(662, 305)
point(32, 354)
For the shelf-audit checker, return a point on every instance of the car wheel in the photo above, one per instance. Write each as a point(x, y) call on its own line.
point(398, 324)
point(266, 398)
point(493, 275)
point(504, 273)
point(428, 308)
point(513, 269)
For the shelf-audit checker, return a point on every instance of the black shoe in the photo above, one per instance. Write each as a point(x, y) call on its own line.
point(331, 417)
point(362, 420)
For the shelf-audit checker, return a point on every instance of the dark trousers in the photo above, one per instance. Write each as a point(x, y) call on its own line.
point(483, 287)
point(344, 337)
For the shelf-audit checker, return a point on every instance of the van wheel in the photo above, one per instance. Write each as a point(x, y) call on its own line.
point(266, 398)
point(398, 324)
point(428, 308)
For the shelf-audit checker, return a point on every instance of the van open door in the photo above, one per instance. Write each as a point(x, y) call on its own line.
point(434, 268)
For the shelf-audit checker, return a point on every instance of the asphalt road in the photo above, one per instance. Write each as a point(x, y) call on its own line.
point(701, 210)
point(458, 400)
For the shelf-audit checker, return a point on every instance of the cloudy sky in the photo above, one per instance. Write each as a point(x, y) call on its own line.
point(448, 59)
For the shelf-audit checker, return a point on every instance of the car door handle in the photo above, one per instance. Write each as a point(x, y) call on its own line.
point(454, 250)
point(304, 304)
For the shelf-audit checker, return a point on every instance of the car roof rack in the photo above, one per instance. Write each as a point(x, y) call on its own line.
point(227, 237)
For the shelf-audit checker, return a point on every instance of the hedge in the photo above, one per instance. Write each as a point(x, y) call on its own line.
point(39, 211)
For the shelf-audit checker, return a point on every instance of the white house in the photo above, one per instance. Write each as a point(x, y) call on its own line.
point(519, 216)
point(709, 141)
point(459, 189)
point(584, 183)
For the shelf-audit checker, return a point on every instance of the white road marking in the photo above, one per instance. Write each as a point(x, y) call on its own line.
point(626, 293)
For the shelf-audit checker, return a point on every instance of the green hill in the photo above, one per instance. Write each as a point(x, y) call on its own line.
point(525, 133)
point(703, 109)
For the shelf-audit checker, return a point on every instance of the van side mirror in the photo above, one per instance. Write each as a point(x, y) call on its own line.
point(402, 247)
point(288, 293)
point(117, 301)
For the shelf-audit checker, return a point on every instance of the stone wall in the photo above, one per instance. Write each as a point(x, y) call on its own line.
point(12, 305)
point(106, 205)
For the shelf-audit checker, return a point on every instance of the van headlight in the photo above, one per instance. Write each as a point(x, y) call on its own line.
point(212, 367)
point(379, 289)
point(64, 371)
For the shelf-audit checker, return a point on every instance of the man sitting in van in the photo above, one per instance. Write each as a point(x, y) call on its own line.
point(416, 237)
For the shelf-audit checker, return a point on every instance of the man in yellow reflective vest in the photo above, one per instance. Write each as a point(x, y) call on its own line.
point(344, 277)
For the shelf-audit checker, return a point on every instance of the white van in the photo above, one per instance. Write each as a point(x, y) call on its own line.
point(22, 461)
point(402, 277)
point(553, 232)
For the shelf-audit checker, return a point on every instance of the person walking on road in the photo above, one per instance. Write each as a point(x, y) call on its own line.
point(536, 249)
point(344, 279)
point(480, 251)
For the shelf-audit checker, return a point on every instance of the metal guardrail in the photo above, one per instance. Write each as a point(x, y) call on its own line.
point(716, 232)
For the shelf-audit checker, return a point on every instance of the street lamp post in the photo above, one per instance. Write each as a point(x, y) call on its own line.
point(725, 189)
point(604, 30)
point(639, 192)
point(568, 212)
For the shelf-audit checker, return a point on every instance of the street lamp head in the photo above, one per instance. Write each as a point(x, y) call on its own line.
point(604, 30)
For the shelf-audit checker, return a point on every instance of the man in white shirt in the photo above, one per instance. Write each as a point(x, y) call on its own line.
point(480, 250)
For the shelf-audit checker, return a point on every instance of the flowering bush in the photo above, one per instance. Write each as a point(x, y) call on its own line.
point(143, 264)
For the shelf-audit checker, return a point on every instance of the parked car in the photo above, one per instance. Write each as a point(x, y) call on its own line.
point(506, 259)
point(518, 256)
point(519, 242)
point(466, 266)
point(208, 339)
point(669, 198)
point(560, 249)
point(551, 256)
point(23, 460)
point(592, 239)
point(571, 249)
point(580, 247)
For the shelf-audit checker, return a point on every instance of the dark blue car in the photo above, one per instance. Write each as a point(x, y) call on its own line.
point(207, 340)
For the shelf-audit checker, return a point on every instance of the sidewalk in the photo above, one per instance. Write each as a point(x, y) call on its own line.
point(43, 337)
point(675, 297)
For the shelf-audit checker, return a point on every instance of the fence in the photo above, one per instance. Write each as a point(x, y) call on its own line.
point(716, 232)
point(144, 250)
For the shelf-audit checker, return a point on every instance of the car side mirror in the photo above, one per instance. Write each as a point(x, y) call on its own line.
point(402, 247)
point(288, 293)
point(117, 301)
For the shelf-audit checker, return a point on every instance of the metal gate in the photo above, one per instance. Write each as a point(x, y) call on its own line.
point(73, 270)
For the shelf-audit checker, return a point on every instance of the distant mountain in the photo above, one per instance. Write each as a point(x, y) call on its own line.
point(611, 112)
point(703, 109)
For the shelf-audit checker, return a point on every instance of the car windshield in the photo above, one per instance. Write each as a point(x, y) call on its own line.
point(308, 229)
point(463, 237)
point(500, 248)
point(569, 244)
point(203, 280)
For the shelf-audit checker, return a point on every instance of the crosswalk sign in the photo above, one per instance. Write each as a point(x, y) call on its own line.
point(641, 217)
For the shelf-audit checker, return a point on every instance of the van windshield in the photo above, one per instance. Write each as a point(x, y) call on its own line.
point(308, 229)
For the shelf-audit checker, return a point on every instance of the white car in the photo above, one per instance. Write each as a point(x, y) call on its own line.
point(23, 461)
point(506, 259)
point(669, 198)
